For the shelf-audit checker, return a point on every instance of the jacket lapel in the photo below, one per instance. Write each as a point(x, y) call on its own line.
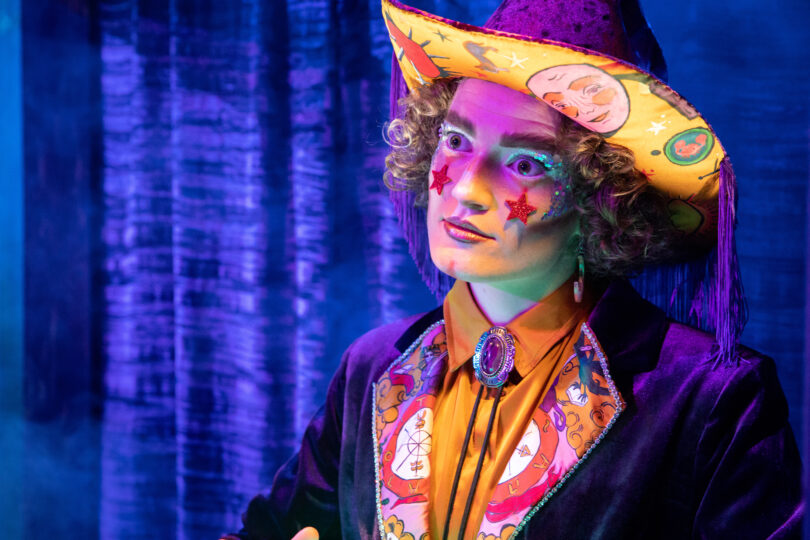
point(404, 398)
point(576, 413)
point(579, 410)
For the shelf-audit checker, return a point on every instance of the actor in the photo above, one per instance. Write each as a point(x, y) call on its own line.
point(539, 162)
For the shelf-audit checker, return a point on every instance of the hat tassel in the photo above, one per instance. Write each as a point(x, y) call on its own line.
point(730, 311)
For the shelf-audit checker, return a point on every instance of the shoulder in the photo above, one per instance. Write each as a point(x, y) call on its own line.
point(691, 349)
point(687, 360)
point(663, 359)
point(372, 352)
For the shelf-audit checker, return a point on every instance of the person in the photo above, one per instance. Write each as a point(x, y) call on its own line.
point(541, 401)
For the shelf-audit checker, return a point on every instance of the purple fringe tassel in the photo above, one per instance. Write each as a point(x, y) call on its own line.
point(706, 292)
point(729, 310)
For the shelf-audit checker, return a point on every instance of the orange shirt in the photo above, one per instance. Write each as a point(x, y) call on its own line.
point(544, 337)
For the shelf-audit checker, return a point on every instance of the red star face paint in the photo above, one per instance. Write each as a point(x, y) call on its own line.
point(543, 164)
point(440, 178)
point(520, 209)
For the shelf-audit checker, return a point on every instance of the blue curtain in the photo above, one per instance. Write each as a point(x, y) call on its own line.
point(247, 239)
point(208, 174)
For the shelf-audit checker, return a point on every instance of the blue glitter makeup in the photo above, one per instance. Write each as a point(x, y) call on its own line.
point(555, 169)
point(561, 199)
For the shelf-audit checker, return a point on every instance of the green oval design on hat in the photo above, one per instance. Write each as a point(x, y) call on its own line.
point(690, 146)
point(685, 216)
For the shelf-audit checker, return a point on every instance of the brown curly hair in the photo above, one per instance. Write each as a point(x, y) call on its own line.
point(624, 222)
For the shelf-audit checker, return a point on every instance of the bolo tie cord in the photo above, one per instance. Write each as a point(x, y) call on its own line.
point(464, 446)
point(478, 466)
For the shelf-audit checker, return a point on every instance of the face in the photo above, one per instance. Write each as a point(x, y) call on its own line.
point(497, 147)
point(584, 93)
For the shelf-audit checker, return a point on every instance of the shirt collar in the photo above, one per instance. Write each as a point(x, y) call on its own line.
point(629, 328)
point(535, 330)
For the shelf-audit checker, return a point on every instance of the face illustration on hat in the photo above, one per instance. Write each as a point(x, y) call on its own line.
point(584, 93)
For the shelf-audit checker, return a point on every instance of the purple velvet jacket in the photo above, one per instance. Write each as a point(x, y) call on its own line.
point(699, 452)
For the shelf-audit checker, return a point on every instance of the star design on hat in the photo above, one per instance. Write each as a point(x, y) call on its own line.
point(655, 127)
point(520, 209)
point(440, 178)
point(516, 62)
point(442, 36)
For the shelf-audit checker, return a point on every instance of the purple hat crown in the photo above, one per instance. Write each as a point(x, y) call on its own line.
point(613, 27)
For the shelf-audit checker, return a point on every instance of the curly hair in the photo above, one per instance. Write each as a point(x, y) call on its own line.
point(624, 222)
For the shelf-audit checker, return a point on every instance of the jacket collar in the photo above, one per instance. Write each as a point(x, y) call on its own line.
point(416, 329)
point(629, 328)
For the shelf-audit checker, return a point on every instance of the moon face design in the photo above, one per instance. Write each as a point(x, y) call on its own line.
point(587, 94)
point(413, 446)
point(526, 450)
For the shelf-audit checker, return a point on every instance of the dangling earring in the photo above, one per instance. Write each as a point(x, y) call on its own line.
point(579, 284)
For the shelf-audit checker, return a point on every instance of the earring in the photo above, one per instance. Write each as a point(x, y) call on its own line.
point(579, 284)
point(440, 178)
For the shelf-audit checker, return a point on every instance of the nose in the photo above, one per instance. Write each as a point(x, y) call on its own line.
point(473, 189)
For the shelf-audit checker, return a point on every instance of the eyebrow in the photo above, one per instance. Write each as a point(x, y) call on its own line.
point(459, 121)
point(509, 140)
point(528, 140)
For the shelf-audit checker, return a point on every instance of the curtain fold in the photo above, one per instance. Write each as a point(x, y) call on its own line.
point(140, 417)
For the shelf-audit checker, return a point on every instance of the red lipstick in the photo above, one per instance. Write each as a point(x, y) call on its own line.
point(464, 231)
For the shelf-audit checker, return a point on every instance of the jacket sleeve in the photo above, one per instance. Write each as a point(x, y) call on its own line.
point(305, 490)
point(748, 468)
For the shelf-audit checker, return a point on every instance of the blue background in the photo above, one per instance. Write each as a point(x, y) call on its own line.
point(193, 228)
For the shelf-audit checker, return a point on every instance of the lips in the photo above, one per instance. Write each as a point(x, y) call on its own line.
point(600, 117)
point(464, 231)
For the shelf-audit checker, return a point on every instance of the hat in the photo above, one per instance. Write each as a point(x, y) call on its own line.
point(597, 62)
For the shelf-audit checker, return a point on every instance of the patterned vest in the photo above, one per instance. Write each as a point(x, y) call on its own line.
point(580, 407)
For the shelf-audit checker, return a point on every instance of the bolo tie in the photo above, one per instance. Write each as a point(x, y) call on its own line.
point(493, 360)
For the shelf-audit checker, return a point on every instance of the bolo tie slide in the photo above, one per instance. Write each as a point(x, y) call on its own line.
point(493, 360)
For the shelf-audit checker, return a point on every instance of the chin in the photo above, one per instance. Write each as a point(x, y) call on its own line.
point(466, 268)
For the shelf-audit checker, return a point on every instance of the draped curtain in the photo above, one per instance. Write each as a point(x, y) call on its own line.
point(241, 236)
point(248, 238)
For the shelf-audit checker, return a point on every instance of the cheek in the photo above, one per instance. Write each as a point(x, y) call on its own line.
point(437, 160)
point(433, 205)
point(439, 157)
point(543, 242)
point(438, 206)
point(604, 97)
point(538, 196)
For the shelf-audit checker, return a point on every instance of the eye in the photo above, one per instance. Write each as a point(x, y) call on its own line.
point(592, 89)
point(455, 141)
point(530, 166)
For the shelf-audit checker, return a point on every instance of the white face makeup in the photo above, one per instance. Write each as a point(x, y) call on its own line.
point(498, 145)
